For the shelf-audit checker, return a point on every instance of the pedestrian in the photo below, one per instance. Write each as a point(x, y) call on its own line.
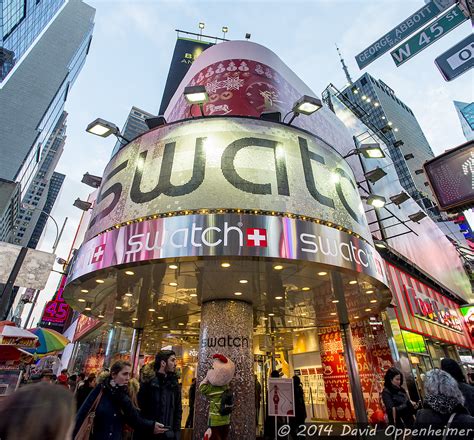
point(160, 394)
point(399, 408)
point(85, 390)
point(81, 377)
point(47, 376)
point(39, 411)
point(63, 378)
point(114, 408)
point(192, 399)
point(297, 422)
point(443, 408)
point(454, 369)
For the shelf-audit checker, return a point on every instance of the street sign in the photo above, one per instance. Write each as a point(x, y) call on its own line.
point(447, 22)
point(391, 39)
point(457, 60)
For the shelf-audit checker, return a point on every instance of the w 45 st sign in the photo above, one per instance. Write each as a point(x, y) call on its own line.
point(421, 40)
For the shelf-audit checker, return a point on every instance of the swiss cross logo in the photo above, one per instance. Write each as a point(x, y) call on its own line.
point(256, 237)
point(98, 254)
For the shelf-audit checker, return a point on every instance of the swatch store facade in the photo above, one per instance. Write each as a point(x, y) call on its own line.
point(233, 234)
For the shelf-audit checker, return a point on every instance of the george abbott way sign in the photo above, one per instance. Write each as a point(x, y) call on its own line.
point(421, 17)
point(457, 60)
point(446, 23)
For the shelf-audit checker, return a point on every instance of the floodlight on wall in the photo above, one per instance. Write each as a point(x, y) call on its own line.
point(101, 127)
point(417, 216)
point(91, 180)
point(271, 116)
point(369, 151)
point(196, 94)
point(375, 201)
point(247, 36)
point(386, 129)
point(82, 205)
point(374, 175)
point(155, 121)
point(409, 156)
point(398, 143)
point(306, 105)
point(398, 199)
point(418, 172)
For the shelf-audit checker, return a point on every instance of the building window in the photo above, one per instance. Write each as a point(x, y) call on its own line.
point(363, 81)
point(14, 12)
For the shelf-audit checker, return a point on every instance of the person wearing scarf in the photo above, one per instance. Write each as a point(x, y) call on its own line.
point(443, 405)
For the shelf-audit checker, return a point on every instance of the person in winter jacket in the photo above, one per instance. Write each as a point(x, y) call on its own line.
point(85, 390)
point(159, 396)
point(398, 406)
point(452, 367)
point(443, 408)
point(115, 408)
point(300, 410)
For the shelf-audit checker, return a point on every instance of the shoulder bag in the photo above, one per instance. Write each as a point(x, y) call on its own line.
point(85, 431)
point(448, 425)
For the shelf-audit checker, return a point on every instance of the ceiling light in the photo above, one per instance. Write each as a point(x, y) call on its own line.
point(333, 314)
point(151, 309)
point(129, 294)
point(368, 99)
point(237, 293)
point(160, 317)
point(373, 301)
point(353, 282)
point(196, 94)
point(129, 272)
point(180, 323)
point(278, 267)
point(271, 314)
point(134, 319)
point(193, 295)
point(368, 310)
point(100, 281)
point(369, 291)
point(356, 317)
point(307, 105)
point(278, 297)
point(305, 288)
point(335, 301)
point(321, 274)
point(173, 284)
point(303, 314)
point(84, 291)
point(100, 315)
point(118, 307)
point(165, 326)
point(88, 306)
point(243, 281)
point(225, 264)
point(81, 300)
point(173, 266)
point(289, 321)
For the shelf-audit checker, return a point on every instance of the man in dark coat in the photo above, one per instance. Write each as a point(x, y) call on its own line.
point(159, 397)
point(453, 368)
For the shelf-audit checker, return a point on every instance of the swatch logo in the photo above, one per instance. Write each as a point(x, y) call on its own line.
point(256, 237)
point(98, 254)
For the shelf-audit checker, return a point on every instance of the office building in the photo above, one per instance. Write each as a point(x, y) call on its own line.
point(43, 48)
point(380, 108)
point(40, 196)
point(465, 113)
point(134, 126)
point(9, 206)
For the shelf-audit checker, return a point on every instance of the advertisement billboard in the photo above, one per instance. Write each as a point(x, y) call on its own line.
point(467, 313)
point(451, 176)
point(228, 163)
point(185, 52)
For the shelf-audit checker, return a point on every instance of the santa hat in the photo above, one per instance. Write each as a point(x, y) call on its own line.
point(221, 357)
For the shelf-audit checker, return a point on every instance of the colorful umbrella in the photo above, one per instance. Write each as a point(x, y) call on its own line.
point(49, 340)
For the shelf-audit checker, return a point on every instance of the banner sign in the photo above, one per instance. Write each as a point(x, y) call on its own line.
point(227, 235)
point(255, 164)
point(56, 312)
point(457, 60)
point(281, 397)
point(451, 176)
point(185, 52)
point(467, 313)
point(84, 326)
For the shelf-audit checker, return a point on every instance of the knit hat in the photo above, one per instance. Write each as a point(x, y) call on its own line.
point(221, 357)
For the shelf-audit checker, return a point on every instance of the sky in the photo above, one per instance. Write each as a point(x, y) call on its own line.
point(133, 43)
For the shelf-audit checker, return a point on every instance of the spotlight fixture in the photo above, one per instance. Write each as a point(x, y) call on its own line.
point(196, 94)
point(371, 151)
point(247, 36)
point(417, 216)
point(271, 116)
point(418, 172)
point(82, 204)
point(398, 199)
point(385, 129)
point(398, 143)
point(201, 25)
point(375, 201)
point(155, 121)
point(409, 156)
point(225, 29)
point(374, 175)
point(101, 127)
point(307, 105)
point(93, 181)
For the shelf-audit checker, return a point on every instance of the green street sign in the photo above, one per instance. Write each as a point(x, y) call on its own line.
point(447, 22)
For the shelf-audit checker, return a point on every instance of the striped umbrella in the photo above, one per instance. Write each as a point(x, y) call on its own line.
point(50, 340)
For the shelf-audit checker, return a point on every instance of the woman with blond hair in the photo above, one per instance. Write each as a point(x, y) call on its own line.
point(27, 414)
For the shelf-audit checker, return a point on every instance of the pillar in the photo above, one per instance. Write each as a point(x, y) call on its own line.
point(227, 328)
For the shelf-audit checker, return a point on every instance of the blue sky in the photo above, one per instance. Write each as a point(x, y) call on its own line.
point(134, 40)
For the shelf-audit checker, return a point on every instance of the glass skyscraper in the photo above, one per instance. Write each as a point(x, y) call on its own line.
point(465, 113)
point(21, 22)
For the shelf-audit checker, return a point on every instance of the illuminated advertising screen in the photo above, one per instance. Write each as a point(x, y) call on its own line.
point(451, 176)
point(468, 314)
point(57, 312)
point(185, 52)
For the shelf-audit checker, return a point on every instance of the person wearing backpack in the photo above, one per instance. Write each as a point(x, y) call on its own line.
point(215, 387)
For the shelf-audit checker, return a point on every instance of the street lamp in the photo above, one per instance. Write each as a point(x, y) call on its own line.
point(196, 95)
point(101, 127)
point(201, 27)
point(375, 201)
point(225, 29)
point(58, 234)
point(306, 105)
